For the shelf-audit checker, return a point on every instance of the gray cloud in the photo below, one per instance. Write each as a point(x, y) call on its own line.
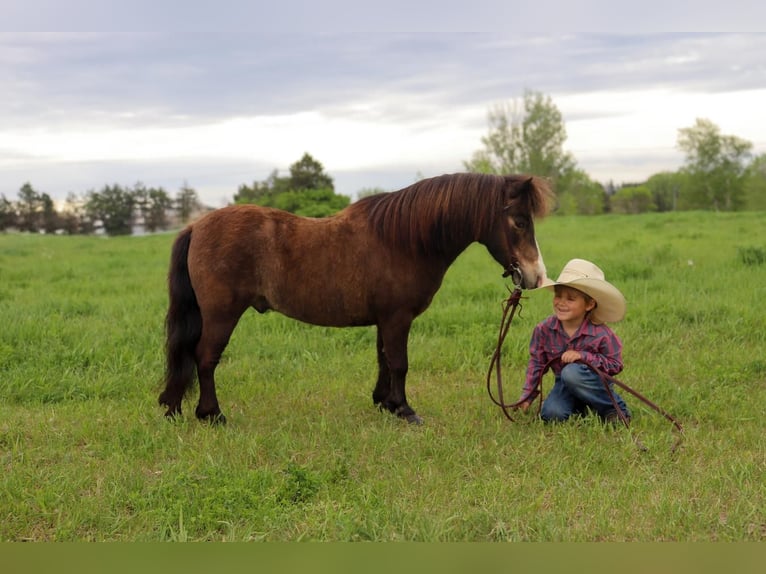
point(422, 79)
point(177, 75)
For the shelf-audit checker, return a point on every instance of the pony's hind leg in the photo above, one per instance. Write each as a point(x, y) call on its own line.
point(216, 332)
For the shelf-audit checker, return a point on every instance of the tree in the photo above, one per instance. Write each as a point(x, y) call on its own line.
point(307, 191)
point(716, 165)
point(500, 154)
point(529, 142)
point(153, 204)
point(156, 218)
point(633, 199)
point(113, 207)
point(368, 191)
point(187, 203)
point(30, 208)
point(74, 217)
point(312, 202)
point(755, 184)
point(7, 214)
point(665, 189)
point(49, 217)
point(582, 195)
point(141, 200)
point(262, 192)
point(308, 173)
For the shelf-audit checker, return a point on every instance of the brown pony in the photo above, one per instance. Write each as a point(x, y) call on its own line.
point(378, 262)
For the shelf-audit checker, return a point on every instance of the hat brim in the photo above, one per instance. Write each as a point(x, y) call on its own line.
point(610, 302)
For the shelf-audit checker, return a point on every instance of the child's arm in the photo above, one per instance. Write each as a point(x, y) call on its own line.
point(537, 362)
point(608, 357)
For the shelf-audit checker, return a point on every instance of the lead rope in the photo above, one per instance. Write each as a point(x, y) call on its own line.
point(509, 311)
point(607, 378)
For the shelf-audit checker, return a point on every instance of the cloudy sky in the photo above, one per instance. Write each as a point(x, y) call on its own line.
point(378, 108)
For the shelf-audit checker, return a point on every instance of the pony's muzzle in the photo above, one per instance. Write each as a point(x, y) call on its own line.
point(521, 280)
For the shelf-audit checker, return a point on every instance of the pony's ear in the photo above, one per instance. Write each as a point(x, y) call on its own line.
point(519, 183)
point(540, 194)
point(525, 186)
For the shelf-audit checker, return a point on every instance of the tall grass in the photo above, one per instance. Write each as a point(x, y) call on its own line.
point(86, 454)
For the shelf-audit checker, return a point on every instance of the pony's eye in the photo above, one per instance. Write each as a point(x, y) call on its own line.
point(521, 222)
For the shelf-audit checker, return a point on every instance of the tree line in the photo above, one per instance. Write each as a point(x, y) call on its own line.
point(719, 172)
point(114, 210)
point(525, 136)
point(120, 210)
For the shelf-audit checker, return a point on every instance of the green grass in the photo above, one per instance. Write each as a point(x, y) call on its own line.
point(86, 454)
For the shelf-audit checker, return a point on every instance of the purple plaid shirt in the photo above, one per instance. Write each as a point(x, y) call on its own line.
point(599, 346)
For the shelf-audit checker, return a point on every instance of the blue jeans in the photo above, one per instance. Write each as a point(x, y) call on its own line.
point(576, 389)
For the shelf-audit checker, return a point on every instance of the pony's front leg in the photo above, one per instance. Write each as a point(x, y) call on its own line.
point(394, 338)
point(383, 385)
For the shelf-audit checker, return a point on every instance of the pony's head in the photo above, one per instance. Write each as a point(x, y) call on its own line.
point(511, 238)
point(442, 215)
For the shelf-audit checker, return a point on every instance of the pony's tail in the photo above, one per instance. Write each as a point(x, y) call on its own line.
point(183, 327)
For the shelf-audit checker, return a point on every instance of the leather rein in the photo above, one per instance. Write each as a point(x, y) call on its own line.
point(513, 304)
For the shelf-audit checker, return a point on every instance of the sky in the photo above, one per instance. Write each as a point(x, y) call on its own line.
point(378, 106)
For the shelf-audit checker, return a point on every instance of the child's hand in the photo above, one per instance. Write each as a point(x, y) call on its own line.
point(571, 356)
point(524, 406)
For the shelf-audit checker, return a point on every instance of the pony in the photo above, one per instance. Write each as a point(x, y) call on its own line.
point(379, 261)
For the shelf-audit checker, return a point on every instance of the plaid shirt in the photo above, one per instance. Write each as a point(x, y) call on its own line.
point(599, 346)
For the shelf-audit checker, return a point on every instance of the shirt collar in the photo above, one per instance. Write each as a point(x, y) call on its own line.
point(585, 328)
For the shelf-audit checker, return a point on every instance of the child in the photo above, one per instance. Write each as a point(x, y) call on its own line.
point(582, 302)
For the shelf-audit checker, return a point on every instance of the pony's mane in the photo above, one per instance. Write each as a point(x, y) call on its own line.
point(451, 210)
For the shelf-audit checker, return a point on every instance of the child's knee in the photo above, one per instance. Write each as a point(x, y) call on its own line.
point(554, 412)
point(574, 374)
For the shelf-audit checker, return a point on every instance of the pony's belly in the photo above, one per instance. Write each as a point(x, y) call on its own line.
point(327, 316)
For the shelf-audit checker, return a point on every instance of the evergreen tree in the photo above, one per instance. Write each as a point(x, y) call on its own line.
point(29, 208)
point(187, 203)
point(113, 207)
point(307, 191)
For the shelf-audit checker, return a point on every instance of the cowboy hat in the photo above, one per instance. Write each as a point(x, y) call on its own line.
point(589, 278)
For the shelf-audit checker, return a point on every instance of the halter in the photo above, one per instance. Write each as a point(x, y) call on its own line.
point(509, 310)
point(514, 272)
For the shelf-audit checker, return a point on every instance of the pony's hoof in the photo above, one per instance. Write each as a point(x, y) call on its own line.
point(216, 420)
point(406, 413)
point(173, 415)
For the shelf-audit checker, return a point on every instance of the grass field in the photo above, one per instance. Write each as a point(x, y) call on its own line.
point(86, 454)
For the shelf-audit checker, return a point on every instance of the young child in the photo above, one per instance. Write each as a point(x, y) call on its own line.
point(583, 302)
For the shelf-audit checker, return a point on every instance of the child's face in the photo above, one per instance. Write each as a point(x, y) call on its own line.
point(571, 305)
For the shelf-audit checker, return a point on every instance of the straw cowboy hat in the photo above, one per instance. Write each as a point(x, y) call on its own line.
point(588, 278)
